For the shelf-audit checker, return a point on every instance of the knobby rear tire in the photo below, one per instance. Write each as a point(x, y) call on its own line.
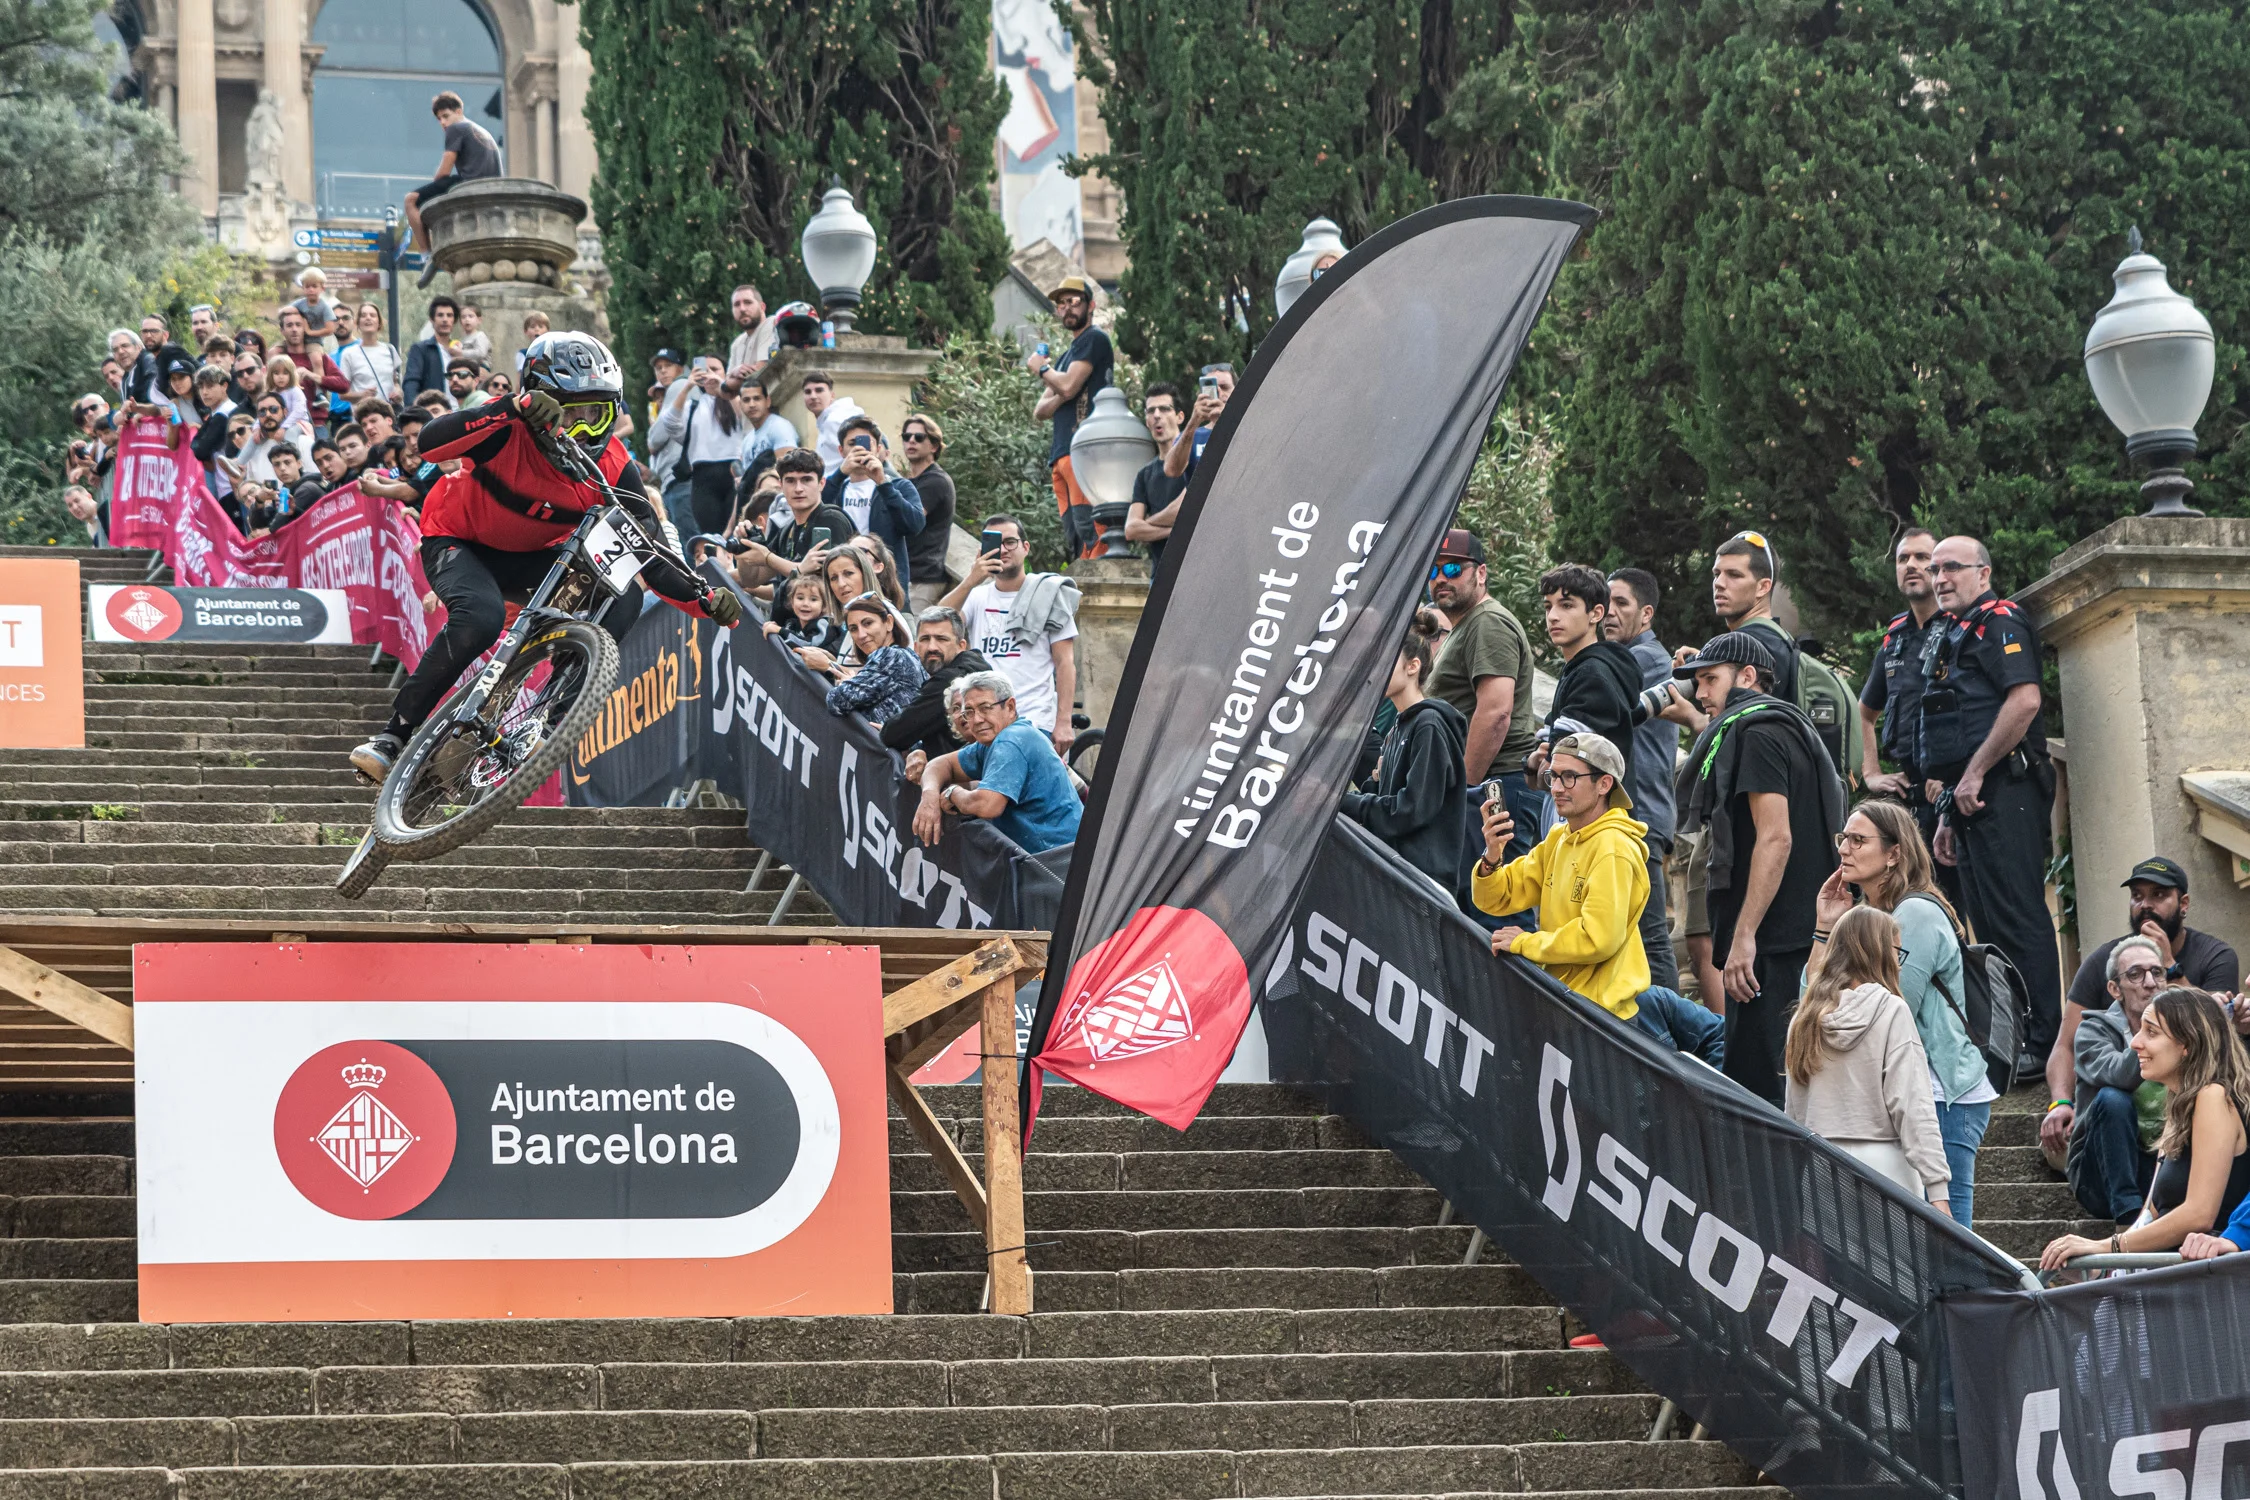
point(403, 840)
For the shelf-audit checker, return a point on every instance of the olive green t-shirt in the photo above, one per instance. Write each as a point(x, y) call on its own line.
point(1488, 643)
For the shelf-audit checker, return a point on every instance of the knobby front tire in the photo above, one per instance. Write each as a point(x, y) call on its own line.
point(455, 779)
point(364, 868)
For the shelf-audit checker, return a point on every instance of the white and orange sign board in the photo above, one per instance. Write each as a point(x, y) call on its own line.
point(418, 1130)
point(42, 668)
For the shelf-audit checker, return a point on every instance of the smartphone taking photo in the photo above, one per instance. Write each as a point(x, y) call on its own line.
point(990, 542)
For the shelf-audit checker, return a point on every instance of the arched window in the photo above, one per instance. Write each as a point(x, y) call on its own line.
point(374, 139)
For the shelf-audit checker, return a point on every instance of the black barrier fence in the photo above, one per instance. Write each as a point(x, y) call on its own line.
point(2137, 1385)
point(821, 791)
point(1783, 1296)
point(1802, 1309)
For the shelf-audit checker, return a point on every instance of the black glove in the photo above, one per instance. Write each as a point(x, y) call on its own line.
point(541, 410)
point(722, 606)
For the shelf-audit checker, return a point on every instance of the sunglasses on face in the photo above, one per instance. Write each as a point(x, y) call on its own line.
point(1448, 569)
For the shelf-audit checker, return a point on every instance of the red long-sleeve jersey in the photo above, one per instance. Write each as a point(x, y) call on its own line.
point(508, 495)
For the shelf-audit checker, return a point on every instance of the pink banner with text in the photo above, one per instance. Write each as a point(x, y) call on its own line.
point(365, 545)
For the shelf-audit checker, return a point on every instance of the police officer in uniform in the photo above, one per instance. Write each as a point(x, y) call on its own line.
point(1891, 703)
point(1985, 753)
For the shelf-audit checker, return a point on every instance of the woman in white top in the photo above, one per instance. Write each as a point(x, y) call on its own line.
point(374, 367)
point(1881, 852)
point(1858, 1076)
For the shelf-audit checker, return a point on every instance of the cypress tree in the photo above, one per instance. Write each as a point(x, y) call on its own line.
point(720, 123)
point(1231, 124)
point(1850, 257)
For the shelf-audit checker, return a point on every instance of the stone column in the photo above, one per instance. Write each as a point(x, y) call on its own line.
point(199, 105)
point(1115, 593)
point(876, 370)
point(285, 75)
point(2150, 623)
point(574, 143)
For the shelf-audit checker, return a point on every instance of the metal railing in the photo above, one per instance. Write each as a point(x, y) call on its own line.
point(2146, 1260)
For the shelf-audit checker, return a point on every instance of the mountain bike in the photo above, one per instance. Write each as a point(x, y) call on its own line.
point(499, 735)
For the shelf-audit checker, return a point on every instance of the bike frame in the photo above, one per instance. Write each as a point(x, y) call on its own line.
point(567, 456)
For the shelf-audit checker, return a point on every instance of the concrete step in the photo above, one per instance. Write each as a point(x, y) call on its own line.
point(1246, 1210)
point(1490, 1284)
point(1121, 1250)
point(85, 1175)
point(622, 875)
point(394, 894)
point(147, 863)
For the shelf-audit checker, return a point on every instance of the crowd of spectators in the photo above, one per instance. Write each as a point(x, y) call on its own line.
point(275, 426)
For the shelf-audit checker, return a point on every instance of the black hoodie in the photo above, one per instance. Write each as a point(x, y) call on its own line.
point(1598, 690)
point(1416, 804)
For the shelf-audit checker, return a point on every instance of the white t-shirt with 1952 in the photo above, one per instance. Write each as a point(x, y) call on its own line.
point(1031, 668)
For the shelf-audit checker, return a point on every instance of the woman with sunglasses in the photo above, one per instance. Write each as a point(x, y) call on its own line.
point(491, 529)
point(1858, 1077)
point(1880, 853)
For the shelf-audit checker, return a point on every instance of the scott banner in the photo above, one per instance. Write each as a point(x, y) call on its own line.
point(1785, 1297)
point(368, 547)
point(479, 1130)
point(821, 790)
point(1269, 636)
point(2135, 1385)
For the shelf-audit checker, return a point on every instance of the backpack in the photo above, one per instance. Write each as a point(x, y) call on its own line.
point(1996, 1011)
point(1826, 699)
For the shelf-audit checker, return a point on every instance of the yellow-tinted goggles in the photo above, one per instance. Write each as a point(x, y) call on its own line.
point(584, 419)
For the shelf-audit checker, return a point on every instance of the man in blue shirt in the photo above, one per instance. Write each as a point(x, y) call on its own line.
point(1011, 775)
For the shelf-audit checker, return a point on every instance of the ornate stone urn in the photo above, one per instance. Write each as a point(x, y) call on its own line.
point(505, 229)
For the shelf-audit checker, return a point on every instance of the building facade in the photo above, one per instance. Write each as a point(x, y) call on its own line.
point(295, 111)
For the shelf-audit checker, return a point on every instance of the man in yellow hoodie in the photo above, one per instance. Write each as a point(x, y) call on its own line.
point(1588, 877)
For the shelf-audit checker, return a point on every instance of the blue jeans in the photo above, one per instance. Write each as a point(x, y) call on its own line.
point(679, 506)
point(1531, 810)
point(1962, 1126)
point(1682, 1025)
point(2109, 1171)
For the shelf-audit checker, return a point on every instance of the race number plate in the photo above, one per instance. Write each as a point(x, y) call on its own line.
point(617, 549)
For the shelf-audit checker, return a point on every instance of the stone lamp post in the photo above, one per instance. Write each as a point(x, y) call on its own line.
point(1322, 238)
point(839, 252)
point(1107, 451)
point(2149, 358)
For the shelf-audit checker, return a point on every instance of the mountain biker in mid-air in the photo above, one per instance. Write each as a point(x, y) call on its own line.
point(492, 528)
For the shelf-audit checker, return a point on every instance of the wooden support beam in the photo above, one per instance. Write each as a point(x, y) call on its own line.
point(941, 988)
point(935, 1141)
point(942, 1030)
point(66, 997)
point(1003, 1153)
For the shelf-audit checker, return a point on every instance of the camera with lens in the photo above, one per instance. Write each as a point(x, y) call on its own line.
point(1652, 702)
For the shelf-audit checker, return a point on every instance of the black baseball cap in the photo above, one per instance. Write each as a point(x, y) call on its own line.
point(1463, 544)
point(2158, 870)
point(674, 355)
point(1729, 648)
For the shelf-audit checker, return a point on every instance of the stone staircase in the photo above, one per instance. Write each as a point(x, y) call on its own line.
point(1262, 1306)
point(214, 784)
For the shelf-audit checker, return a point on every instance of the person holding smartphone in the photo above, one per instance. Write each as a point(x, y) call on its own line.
point(800, 545)
point(1025, 624)
point(1066, 395)
point(877, 501)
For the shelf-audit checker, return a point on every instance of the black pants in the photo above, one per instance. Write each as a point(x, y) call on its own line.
point(1758, 1029)
point(2001, 860)
point(1925, 818)
point(2109, 1172)
point(473, 582)
point(1656, 928)
point(711, 495)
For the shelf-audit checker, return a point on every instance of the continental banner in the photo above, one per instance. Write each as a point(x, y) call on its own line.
point(1269, 635)
point(476, 1130)
point(822, 791)
point(2134, 1385)
point(1783, 1296)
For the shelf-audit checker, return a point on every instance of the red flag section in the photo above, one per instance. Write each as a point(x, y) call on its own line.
point(367, 546)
